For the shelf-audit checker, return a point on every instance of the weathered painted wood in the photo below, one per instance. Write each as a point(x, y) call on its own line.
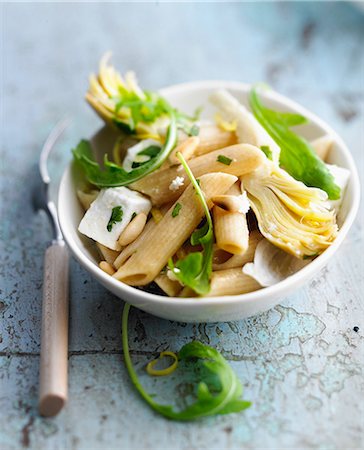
point(302, 362)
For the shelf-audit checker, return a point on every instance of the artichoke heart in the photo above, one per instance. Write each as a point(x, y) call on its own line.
point(117, 100)
point(290, 215)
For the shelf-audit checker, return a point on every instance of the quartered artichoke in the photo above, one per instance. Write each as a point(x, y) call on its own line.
point(290, 215)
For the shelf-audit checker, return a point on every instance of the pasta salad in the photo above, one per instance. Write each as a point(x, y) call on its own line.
point(187, 207)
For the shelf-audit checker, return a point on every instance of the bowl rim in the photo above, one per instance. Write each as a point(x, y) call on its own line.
point(279, 289)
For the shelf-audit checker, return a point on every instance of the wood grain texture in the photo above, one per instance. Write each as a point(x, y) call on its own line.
point(54, 342)
point(302, 362)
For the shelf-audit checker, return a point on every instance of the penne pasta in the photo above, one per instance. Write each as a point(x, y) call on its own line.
point(231, 282)
point(171, 287)
point(133, 230)
point(86, 198)
point(108, 254)
point(243, 158)
point(223, 260)
point(212, 138)
point(188, 149)
point(231, 231)
point(150, 256)
point(323, 145)
point(131, 248)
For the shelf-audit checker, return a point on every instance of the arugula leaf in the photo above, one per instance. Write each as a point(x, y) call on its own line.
point(116, 216)
point(297, 156)
point(218, 392)
point(115, 175)
point(224, 160)
point(151, 151)
point(195, 269)
point(176, 209)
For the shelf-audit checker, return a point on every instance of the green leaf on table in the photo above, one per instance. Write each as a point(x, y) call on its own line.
point(218, 391)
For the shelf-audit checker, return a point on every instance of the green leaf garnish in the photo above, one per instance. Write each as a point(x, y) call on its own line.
point(297, 156)
point(133, 215)
point(146, 109)
point(267, 151)
point(218, 392)
point(115, 175)
point(224, 160)
point(195, 269)
point(116, 216)
point(176, 209)
point(151, 151)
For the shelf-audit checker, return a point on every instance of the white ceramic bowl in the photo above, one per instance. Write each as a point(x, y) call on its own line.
point(187, 97)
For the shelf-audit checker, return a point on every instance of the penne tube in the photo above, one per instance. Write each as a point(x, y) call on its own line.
point(160, 242)
point(231, 282)
point(86, 198)
point(212, 138)
point(323, 145)
point(244, 159)
point(171, 287)
point(223, 260)
point(108, 254)
point(187, 148)
point(131, 248)
point(133, 229)
point(231, 231)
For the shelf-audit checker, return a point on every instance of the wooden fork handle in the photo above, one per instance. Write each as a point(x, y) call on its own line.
point(54, 342)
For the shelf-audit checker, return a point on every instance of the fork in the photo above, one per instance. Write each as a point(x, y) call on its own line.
point(54, 341)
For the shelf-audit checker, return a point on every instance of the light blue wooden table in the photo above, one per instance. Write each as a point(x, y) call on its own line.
point(302, 362)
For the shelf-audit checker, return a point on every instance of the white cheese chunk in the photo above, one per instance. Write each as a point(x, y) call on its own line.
point(176, 183)
point(341, 177)
point(95, 221)
point(244, 203)
point(132, 153)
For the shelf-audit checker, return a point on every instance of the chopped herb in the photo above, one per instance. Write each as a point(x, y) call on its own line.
point(195, 269)
point(115, 175)
point(133, 215)
point(297, 156)
point(224, 160)
point(356, 329)
point(194, 131)
point(116, 216)
point(176, 209)
point(219, 390)
point(267, 151)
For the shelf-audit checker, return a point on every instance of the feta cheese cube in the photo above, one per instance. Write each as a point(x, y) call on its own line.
point(95, 221)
